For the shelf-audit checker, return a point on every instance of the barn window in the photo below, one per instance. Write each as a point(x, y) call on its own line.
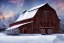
point(46, 30)
point(49, 31)
point(43, 31)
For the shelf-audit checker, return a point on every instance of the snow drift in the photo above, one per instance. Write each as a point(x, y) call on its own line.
point(36, 38)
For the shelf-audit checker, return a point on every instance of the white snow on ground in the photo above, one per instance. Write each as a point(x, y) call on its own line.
point(2, 34)
point(56, 38)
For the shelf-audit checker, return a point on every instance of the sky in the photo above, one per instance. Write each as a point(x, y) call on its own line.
point(10, 8)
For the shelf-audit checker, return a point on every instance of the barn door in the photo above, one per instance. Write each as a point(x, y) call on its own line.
point(46, 30)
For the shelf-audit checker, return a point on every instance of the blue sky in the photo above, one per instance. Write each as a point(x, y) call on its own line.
point(10, 9)
point(13, 7)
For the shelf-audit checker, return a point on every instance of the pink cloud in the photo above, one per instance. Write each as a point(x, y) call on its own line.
point(19, 3)
point(59, 6)
point(6, 15)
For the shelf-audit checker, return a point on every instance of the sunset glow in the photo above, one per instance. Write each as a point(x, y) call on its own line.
point(6, 15)
point(8, 11)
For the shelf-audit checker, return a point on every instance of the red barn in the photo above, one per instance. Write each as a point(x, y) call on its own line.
point(41, 19)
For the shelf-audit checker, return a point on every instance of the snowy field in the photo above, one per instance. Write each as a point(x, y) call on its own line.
point(55, 38)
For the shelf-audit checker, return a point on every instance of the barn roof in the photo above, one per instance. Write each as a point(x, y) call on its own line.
point(18, 25)
point(36, 7)
point(29, 14)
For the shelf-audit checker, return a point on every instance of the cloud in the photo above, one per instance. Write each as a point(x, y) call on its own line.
point(6, 15)
point(5, 12)
point(1, 16)
point(58, 5)
point(19, 3)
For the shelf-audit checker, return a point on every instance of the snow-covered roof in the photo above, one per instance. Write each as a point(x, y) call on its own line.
point(36, 7)
point(29, 14)
point(16, 26)
point(19, 18)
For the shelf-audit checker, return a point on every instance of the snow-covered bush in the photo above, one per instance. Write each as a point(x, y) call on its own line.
point(14, 31)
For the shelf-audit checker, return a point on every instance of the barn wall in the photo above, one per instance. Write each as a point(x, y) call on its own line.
point(26, 29)
point(55, 22)
point(46, 17)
